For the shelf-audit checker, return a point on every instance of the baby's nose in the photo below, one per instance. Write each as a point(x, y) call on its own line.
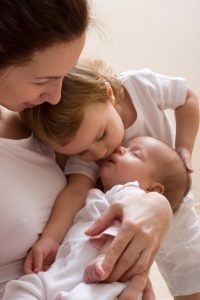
point(120, 150)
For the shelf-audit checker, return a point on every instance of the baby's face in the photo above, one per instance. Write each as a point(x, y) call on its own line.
point(132, 163)
point(100, 133)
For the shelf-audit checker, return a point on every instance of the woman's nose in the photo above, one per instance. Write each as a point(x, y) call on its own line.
point(52, 94)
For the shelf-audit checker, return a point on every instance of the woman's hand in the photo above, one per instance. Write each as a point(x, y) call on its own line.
point(41, 256)
point(139, 285)
point(145, 221)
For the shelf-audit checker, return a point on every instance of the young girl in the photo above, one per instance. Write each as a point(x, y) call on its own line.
point(96, 112)
point(139, 164)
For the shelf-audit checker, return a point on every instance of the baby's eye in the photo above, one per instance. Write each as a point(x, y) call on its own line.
point(135, 153)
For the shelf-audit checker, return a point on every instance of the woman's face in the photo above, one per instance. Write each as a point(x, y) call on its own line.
point(39, 80)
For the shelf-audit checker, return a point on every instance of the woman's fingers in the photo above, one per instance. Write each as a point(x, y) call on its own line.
point(148, 293)
point(116, 252)
point(112, 213)
point(137, 256)
point(145, 221)
point(142, 265)
point(135, 288)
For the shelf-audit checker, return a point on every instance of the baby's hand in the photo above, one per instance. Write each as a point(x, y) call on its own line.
point(94, 271)
point(41, 256)
point(186, 157)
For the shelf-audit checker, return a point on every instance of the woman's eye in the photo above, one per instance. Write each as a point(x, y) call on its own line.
point(102, 136)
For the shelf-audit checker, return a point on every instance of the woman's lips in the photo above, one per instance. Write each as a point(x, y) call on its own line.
point(29, 105)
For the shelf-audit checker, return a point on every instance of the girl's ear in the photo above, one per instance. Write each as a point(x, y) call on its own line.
point(110, 93)
point(156, 187)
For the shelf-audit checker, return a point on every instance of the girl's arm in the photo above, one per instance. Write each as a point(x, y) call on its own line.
point(67, 204)
point(187, 124)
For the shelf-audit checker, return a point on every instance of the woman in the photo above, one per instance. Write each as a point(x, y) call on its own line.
point(40, 41)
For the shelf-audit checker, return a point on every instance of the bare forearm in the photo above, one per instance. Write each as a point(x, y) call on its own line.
point(187, 122)
point(67, 204)
point(62, 217)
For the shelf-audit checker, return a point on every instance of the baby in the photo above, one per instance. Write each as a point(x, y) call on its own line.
point(145, 164)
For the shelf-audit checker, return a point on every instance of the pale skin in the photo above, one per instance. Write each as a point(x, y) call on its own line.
point(95, 144)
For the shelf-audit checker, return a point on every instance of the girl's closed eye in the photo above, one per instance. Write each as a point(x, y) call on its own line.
point(102, 136)
point(41, 83)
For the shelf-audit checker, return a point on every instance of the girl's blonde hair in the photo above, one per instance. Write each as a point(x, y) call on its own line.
point(84, 85)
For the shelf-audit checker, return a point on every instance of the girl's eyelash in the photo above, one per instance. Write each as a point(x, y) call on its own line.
point(41, 83)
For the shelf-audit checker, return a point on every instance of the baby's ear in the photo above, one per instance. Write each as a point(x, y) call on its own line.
point(156, 187)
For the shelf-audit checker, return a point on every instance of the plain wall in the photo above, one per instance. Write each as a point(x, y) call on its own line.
point(157, 34)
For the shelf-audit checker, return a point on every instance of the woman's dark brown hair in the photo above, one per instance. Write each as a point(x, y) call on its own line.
point(27, 26)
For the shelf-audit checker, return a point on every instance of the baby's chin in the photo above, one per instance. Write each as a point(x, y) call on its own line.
point(105, 183)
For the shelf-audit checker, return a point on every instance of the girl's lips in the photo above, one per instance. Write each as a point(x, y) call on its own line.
point(111, 158)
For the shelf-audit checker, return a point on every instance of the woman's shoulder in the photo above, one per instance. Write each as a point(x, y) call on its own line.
point(11, 125)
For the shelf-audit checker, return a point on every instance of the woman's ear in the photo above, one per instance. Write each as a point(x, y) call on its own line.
point(110, 93)
point(156, 187)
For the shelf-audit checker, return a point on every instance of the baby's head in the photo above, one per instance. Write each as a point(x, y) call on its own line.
point(154, 164)
point(86, 120)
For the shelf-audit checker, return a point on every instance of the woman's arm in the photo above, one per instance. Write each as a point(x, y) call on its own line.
point(67, 204)
point(145, 222)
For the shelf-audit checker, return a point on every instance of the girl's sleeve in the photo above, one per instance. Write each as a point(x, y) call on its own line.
point(168, 92)
point(76, 165)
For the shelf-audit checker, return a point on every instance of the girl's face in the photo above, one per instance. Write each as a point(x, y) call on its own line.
point(100, 133)
point(39, 80)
